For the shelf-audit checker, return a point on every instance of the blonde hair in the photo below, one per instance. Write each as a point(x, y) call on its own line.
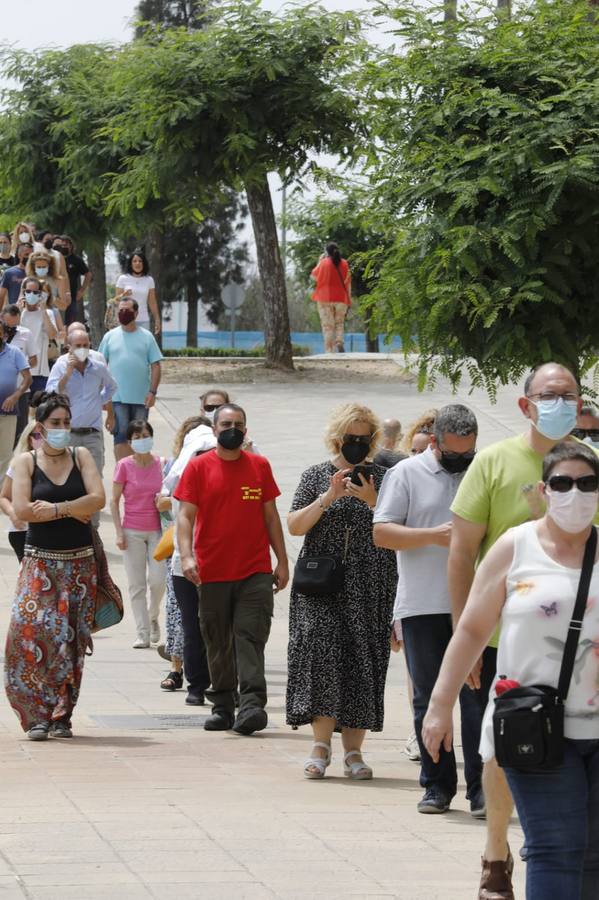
point(23, 442)
point(47, 257)
point(423, 425)
point(186, 426)
point(19, 227)
point(343, 417)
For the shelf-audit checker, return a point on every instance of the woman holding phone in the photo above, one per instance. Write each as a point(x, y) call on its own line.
point(339, 644)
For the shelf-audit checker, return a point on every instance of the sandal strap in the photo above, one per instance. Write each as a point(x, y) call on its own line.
point(349, 753)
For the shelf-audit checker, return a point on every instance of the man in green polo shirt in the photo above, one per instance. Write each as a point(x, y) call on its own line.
point(498, 493)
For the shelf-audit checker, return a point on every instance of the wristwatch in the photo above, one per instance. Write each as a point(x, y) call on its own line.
point(152, 392)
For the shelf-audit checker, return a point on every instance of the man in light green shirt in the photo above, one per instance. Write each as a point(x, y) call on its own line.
point(497, 493)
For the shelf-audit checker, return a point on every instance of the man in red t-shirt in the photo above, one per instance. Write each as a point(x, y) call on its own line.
point(228, 495)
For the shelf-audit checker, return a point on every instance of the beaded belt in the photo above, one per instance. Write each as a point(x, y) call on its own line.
point(40, 553)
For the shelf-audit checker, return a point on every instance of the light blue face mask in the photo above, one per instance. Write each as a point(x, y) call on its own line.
point(41, 271)
point(142, 445)
point(556, 418)
point(31, 299)
point(58, 438)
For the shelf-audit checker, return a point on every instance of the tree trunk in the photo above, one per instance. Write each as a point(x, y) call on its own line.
point(277, 338)
point(97, 303)
point(372, 340)
point(450, 10)
point(156, 263)
point(504, 8)
point(193, 296)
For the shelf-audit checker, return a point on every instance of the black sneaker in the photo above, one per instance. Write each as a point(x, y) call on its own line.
point(195, 700)
point(220, 720)
point(61, 729)
point(250, 720)
point(434, 802)
point(478, 809)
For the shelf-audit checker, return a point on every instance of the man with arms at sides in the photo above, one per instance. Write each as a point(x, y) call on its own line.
point(21, 339)
point(133, 357)
point(229, 496)
point(497, 493)
point(15, 379)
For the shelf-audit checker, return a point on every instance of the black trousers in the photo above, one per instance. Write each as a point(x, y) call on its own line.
point(195, 664)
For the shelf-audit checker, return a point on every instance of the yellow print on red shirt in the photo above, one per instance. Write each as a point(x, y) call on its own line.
point(250, 493)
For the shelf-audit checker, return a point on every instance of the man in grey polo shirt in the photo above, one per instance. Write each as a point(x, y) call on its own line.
point(413, 517)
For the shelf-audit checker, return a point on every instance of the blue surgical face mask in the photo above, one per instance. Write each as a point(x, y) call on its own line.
point(556, 418)
point(41, 271)
point(142, 445)
point(58, 438)
point(31, 299)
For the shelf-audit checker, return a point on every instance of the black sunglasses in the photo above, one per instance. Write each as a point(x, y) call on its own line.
point(581, 433)
point(449, 454)
point(210, 407)
point(561, 484)
point(357, 439)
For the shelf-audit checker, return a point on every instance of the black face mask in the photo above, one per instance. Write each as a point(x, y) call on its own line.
point(355, 451)
point(48, 244)
point(456, 463)
point(231, 438)
point(9, 332)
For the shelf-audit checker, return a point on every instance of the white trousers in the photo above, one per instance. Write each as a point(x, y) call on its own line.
point(145, 577)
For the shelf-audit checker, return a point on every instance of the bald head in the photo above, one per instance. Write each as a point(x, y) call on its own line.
point(76, 326)
point(391, 433)
point(548, 372)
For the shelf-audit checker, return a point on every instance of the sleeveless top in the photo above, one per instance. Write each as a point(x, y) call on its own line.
point(58, 534)
point(540, 597)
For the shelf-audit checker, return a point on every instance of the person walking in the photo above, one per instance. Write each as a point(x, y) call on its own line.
point(529, 580)
point(133, 357)
point(412, 517)
point(228, 512)
point(339, 643)
point(21, 339)
point(137, 284)
point(498, 493)
point(388, 454)
point(7, 260)
point(17, 531)
point(40, 322)
point(333, 296)
point(138, 479)
point(79, 277)
point(88, 384)
point(55, 490)
point(12, 279)
point(15, 379)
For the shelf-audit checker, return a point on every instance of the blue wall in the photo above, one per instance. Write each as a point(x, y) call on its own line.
point(247, 340)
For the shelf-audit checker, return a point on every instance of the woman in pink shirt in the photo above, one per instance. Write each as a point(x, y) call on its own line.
point(138, 479)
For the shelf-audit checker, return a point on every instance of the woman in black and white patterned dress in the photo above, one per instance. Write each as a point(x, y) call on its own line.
point(339, 645)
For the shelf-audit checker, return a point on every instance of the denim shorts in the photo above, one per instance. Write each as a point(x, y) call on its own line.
point(123, 414)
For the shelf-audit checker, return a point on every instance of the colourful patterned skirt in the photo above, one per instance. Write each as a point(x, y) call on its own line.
point(50, 626)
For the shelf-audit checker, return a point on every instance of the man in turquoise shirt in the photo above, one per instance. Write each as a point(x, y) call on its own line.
point(133, 357)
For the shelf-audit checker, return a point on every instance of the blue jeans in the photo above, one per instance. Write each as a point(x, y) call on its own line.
point(559, 813)
point(425, 642)
point(123, 414)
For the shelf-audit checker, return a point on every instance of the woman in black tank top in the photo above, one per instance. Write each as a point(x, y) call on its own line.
point(56, 490)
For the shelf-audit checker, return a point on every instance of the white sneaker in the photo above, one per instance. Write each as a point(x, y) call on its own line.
point(412, 750)
point(141, 644)
point(154, 631)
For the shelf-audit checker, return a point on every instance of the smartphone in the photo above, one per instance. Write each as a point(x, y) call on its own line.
point(366, 470)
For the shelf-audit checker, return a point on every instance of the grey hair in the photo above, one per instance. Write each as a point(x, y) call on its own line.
point(454, 419)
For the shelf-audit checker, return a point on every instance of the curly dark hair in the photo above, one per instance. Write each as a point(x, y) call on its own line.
point(45, 403)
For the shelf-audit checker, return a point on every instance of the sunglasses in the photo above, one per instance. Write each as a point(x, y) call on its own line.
point(357, 439)
point(581, 433)
point(210, 407)
point(561, 484)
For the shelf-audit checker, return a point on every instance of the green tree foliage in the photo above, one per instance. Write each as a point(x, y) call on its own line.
point(250, 93)
point(485, 173)
point(170, 14)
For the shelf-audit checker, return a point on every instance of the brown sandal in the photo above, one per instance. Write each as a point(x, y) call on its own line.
point(172, 682)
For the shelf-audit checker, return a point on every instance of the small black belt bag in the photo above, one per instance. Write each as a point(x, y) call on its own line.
point(319, 576)
point(528, 721)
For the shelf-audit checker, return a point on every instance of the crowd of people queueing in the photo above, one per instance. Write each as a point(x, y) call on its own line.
point(389, 559)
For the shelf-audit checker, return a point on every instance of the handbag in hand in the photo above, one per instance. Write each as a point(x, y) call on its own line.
point(319, 576)
point(528, 721)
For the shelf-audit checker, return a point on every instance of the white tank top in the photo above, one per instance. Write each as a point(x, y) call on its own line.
point(534, 624)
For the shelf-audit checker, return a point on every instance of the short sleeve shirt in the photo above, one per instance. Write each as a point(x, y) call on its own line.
point(418, 493)
point(12, 362)
point(231, 540)
point(11, 280)
point(129, 355)
point(140, 286)
point(140, 486)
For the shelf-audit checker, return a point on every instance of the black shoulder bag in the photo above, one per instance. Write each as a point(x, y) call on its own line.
point(319, 576)
point(528, 721)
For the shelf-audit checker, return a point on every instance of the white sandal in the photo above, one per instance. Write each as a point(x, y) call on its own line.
point(358, 771)
point(318, 763)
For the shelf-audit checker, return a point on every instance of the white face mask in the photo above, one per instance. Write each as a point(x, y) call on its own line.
point(81, 353)
point(572, 511)
point(209, 414)
point(25, 238)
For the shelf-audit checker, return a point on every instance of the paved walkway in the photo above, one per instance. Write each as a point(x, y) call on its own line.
point(145, 804)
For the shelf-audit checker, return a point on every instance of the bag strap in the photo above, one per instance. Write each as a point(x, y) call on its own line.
point(575, 626)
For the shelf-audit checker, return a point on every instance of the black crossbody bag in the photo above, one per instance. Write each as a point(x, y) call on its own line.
point(528, 721)
point(319, 576)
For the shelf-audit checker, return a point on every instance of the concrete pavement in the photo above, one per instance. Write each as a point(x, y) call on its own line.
point(144, 804)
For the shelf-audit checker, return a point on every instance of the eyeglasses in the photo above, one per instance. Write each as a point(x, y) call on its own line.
point(561, 484)
point(581, 433)
point(552, 397)
point(357, 439)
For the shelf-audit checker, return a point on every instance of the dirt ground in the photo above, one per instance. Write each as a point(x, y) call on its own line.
point(250, 371)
